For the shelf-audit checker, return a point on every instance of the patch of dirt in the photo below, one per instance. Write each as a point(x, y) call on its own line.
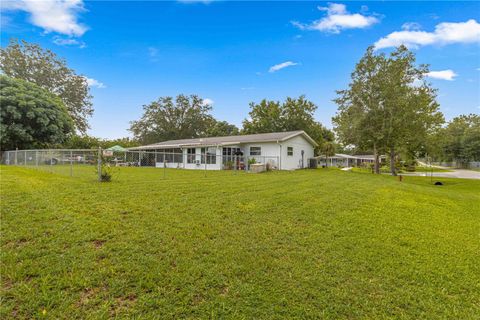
point(197, 299)
point(224, 290)
point(87, 295)
point(123, 303)
point(98, 243)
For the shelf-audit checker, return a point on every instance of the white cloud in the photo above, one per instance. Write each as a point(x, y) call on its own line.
point(95, 83)
point(59, 16)
point(208, 101)
point(445, 33)
point(69, 42)
point(448, 75)
point(411, 26)
point(338, 19)
point(282, 65)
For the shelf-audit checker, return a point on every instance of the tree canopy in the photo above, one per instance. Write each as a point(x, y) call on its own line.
point(292, 114)
point(31, 117)
point(180, 118)
point(221, 128)
point(460, 140)
point(29, 62)
point(388, 106)
point(89, 142)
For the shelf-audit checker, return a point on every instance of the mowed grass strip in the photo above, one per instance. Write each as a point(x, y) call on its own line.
point(305, 244)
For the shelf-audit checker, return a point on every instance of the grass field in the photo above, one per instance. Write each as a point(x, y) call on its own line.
point(307, 244)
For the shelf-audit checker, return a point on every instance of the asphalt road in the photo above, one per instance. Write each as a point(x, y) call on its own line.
point(455, 173)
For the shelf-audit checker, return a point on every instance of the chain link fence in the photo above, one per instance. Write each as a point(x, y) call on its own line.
point(89, 162)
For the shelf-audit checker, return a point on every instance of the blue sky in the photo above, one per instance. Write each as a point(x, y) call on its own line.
point(233, 53)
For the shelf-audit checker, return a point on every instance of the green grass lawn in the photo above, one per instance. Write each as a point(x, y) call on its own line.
point(279, 245)
point(387, 170)
point(431, 169)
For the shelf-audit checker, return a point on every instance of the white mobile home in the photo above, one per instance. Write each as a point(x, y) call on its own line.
point(280, 150)
point(346, 160)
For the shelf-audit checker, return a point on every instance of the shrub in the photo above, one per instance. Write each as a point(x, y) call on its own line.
point(107, 171)
point(229, 165)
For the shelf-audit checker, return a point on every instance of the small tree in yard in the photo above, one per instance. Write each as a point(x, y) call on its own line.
point(31, 117)
point(107, 172)
point(328, 149)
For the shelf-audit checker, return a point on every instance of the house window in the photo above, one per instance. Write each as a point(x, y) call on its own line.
point(289, 151)
point(191, 155)
point(210, 155)
point(255, 151)
point(231, 154)
point(173, 155)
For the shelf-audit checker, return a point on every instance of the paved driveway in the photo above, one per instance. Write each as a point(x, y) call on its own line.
point(456, 173)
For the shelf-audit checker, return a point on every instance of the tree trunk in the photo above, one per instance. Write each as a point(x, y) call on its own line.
point(377, 160)
point(392, 162)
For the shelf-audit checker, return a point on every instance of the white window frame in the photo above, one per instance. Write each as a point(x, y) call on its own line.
point(255, 154)
point(290, 151)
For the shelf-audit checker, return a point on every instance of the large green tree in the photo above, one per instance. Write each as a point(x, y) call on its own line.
point(460, 139)
point(388, 106)
point(31, 117)
point(221, 128)
point(89, 142)
point(292, 114)
point(359, 120)
point(30, 62)
point(168, 118)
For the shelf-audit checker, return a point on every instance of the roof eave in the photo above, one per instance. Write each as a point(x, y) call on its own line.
point(305, 135)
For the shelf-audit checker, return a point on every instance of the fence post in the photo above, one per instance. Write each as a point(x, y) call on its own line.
point(16, 156)
point(235, 164)
point(205, 160)
point(71, 163)
point(25, 158)
point(99, 164)
point(36, 158)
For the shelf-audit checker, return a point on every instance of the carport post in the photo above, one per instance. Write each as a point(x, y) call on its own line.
point(205, 160)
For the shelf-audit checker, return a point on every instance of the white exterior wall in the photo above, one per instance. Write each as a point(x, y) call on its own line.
point(271, 152)
point(298, 143)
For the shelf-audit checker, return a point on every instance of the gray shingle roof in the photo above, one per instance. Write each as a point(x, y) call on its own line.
point(251, 138)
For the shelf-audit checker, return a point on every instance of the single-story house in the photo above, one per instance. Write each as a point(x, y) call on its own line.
point(346, 160)
point(280, 150)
